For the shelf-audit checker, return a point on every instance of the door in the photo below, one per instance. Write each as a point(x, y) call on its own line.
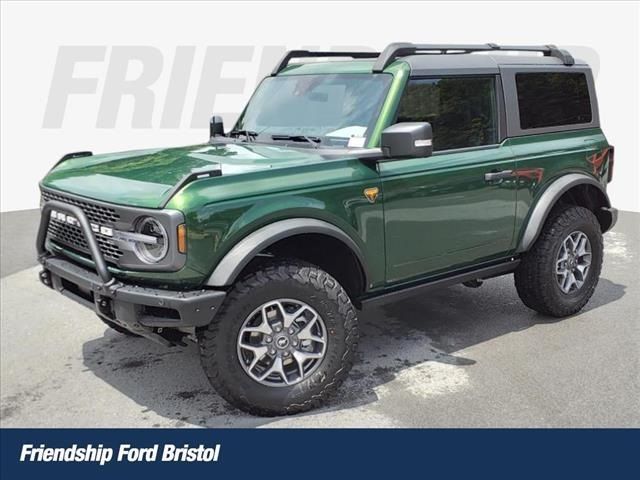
point(456, 207)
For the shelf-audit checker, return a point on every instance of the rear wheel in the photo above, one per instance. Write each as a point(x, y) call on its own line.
point(283, 341)
point(559, 274)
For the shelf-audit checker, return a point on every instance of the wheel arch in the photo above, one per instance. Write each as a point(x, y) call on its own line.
point(278, 233)
point(573, 189)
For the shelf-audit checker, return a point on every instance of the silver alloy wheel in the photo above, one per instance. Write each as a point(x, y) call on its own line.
point(282, 342)
point(573, 262)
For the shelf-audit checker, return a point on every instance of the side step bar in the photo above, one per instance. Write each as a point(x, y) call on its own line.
point(441, 281)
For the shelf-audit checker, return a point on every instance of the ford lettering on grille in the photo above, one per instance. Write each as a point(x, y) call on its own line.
point(71, 220)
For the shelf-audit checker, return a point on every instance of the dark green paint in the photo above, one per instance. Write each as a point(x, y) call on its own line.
point(143, 178)
point(433, 214)
point(440, 213)
point(557, 154)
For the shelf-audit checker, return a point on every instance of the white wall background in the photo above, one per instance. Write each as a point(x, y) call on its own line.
point(604, 33)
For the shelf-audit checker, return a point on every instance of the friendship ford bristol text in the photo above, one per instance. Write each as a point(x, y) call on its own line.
point(126, 453)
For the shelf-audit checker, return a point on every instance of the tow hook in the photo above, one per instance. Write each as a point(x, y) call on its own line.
point(45, 278)
point(475, 283)
point(104, 307)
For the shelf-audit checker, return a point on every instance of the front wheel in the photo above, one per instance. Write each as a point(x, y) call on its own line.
point(558, 276)
point(283, 341)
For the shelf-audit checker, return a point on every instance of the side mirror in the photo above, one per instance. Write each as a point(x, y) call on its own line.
point(216, 127)
point(410, 139)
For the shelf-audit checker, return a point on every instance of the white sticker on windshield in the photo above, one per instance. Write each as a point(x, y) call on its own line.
point(356, 142)
point(346, 132)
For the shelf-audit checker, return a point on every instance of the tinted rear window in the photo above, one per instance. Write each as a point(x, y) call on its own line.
point(552, 99)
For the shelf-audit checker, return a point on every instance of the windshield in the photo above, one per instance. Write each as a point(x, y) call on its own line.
point(327, 110)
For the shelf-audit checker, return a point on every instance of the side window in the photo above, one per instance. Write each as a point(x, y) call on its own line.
point(461, 110)
point(551, 99)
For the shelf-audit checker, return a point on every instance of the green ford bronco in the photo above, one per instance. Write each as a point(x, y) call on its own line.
point(343, 184)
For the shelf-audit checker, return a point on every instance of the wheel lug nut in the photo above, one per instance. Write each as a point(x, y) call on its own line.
point(272, 351)
point(268, 339)
point(278, 329)
point(291, 330)
point(286, 354)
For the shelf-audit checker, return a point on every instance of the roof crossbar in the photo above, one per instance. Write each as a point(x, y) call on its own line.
point(397, 50)
point(307, 54)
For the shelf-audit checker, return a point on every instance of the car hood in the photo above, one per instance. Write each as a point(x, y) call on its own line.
point(145, 178)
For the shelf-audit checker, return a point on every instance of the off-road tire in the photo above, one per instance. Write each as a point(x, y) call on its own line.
point(284, 279)
point(535, 277)
point(118, 328)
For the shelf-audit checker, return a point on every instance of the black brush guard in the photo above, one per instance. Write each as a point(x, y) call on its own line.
point(141, 310)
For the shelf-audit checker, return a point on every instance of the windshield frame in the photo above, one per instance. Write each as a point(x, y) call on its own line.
point(265, 136)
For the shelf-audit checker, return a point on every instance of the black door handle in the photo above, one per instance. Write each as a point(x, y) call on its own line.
point(495, 175)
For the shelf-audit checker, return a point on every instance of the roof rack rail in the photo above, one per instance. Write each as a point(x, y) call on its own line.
point(396, 50)
point(308, 54)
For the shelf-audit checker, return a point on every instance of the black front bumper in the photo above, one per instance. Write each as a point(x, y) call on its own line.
point(141, 310)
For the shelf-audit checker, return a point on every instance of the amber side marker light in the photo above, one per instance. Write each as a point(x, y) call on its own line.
point(182, 238)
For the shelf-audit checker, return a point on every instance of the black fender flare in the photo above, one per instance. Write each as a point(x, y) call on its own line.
point(548, 199)
point(228, 269)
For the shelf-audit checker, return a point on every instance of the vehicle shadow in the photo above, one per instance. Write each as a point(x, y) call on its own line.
point(416, 341)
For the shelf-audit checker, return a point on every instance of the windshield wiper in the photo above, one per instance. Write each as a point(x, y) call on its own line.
point(298, 138)
point(250, 135)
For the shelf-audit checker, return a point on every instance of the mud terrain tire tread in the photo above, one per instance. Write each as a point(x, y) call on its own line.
point(322, 384)
point(534, 278)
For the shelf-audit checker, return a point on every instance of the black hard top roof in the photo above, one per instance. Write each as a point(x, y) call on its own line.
point(478, 63)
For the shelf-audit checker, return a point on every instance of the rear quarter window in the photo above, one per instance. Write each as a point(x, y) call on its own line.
point(553, 99)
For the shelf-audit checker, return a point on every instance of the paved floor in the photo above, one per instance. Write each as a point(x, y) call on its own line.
point(459, 357)
point(18, 240)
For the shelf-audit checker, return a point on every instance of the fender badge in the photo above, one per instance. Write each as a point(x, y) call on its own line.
point(371, 194)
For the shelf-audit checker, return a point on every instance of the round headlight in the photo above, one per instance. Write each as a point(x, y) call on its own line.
point(155, 249)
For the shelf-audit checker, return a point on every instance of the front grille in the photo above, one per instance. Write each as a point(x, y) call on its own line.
point(95, 213)
point(71, 236)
